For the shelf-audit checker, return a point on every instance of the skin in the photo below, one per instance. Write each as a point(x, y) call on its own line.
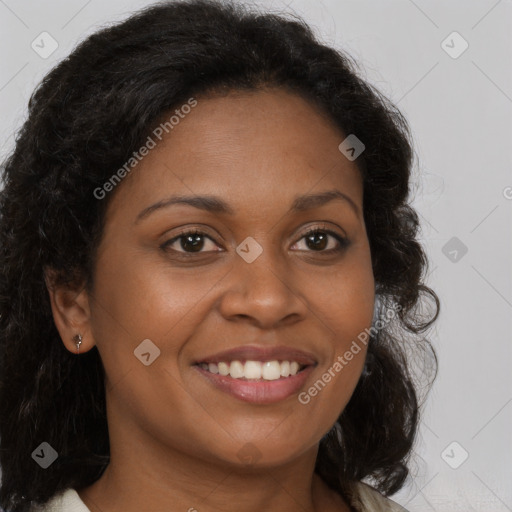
point(174, 437)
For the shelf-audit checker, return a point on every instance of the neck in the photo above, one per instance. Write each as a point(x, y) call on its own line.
point(147, 478)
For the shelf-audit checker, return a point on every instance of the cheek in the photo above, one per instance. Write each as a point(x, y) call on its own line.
point(138, 298)
point(139, 293)
point(343, 304)
point(343, 300)
point(134, 302)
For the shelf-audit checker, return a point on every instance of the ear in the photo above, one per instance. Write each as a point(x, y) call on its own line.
point(71, 312)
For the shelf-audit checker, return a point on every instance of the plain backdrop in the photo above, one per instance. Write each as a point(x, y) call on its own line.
point(458, 101)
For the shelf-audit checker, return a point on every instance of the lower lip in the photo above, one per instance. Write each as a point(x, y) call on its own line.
point(262, 391)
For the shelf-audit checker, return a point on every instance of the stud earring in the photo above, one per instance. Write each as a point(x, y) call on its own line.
point(368, 365)
point(77, 338)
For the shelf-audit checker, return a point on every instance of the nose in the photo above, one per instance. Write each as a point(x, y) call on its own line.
point(265, 292)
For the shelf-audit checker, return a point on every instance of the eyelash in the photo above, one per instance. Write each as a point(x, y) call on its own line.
point(342, 241)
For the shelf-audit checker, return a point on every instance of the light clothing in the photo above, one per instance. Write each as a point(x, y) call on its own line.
point(364, 499)
point(65, 501)
point(367, 499)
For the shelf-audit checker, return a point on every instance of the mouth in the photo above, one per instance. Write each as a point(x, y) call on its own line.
point(257, 382)
point(257, 374)
point(254, 371)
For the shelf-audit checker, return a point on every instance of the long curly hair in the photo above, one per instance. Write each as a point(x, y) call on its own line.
point(85, 120)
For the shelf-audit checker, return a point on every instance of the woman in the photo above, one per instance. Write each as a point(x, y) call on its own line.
point(211, 282)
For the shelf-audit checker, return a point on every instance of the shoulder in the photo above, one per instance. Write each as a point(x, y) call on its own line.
point(364, 498)
point(67, 500)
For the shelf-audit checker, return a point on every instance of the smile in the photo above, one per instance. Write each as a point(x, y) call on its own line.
point(254, 370)
point(256, 382)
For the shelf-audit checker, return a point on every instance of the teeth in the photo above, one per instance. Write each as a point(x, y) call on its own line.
point(294, 367)
point(268, 370)
point(285, 368)
point(252, 370)
point(236, 370)
point(271, 370)
point(223, 369)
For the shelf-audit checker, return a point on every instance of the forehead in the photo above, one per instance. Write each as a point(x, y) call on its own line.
point(248, 147)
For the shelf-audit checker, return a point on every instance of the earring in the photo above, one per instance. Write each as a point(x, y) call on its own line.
point(368, 365)
point(77, 338)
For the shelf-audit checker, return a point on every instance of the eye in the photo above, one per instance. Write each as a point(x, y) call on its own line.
point(317, 240)
point(191, 242)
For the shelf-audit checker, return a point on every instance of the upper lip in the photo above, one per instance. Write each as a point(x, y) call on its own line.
point(256, 353)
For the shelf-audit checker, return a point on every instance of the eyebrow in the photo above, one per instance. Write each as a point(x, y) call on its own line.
point(217, 205)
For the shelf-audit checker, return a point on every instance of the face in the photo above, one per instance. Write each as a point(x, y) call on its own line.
point(250, 276)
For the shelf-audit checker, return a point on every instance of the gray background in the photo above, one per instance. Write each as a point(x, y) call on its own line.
point(460, 112)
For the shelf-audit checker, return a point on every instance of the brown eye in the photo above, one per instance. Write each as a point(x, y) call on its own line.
point(318, 240)
point(190, 242)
